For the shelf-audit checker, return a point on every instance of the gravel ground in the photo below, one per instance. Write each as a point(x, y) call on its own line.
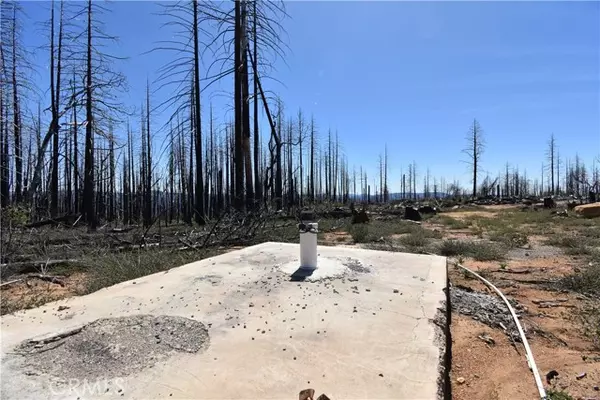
point(485, 308)
point(114, 347)
point(539, 251)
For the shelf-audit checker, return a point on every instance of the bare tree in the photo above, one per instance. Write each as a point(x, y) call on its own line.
point(551, 156)
point(55, 101)
point(101, 103)
point(474, 150)
point(15, 83)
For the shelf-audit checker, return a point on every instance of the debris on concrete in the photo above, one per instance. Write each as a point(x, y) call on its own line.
point(114, 346)
point(356, 266)
point(485, 308)
point(306, 394)
point(245, 297)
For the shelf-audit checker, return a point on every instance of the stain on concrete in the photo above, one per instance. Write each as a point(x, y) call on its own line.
point(113, 347)
point(356, 266)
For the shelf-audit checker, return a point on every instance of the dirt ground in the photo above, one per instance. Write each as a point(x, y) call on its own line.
point(562, 326)
point(555, 335)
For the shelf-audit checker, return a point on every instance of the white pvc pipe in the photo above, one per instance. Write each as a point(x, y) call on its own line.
point(308, 246)
point(529, 354)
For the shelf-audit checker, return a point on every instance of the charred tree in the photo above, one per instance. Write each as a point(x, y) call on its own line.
point(474, 150)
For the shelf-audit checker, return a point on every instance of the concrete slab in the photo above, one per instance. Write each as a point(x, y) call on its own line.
point(367, 325)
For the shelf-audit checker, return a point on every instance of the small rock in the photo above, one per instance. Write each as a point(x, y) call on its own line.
point(381, 375)
point(597, 388)
point(581, 376)
point(396, 291)
point(460, 380)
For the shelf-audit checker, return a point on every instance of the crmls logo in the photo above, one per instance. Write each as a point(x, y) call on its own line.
point(87, 387)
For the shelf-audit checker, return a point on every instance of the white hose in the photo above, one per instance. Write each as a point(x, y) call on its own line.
point(530, 360)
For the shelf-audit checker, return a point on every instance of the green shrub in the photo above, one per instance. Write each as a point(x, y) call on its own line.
point(15, 216)
point(416, 239)
point(510, 237)
point(558, 395)
point(359, 233)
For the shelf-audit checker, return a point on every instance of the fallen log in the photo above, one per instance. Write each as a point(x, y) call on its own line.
point(122, 230)
point(549, 305)
point(118, 239)
point(10, 282)
point(549, 301)
point(187, 244)
point(70, 219)
point(514, 271)
point(137, 246)
point(58, 279)
point(33, 266)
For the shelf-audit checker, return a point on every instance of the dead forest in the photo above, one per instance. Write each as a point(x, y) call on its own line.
point(84, 158)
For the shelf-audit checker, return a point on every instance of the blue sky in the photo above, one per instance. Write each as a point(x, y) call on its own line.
point(413, 75)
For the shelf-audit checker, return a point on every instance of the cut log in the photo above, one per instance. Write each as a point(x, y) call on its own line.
point(589, 210)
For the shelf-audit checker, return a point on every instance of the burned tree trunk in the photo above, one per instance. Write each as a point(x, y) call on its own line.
point(89, 204)
point(199, 203)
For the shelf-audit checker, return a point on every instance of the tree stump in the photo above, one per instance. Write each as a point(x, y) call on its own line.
point(412, 214)
point(549, 202)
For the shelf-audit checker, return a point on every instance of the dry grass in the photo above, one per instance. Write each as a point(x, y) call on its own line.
point(411, 235)
point(480, 251)
point(113, 268)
